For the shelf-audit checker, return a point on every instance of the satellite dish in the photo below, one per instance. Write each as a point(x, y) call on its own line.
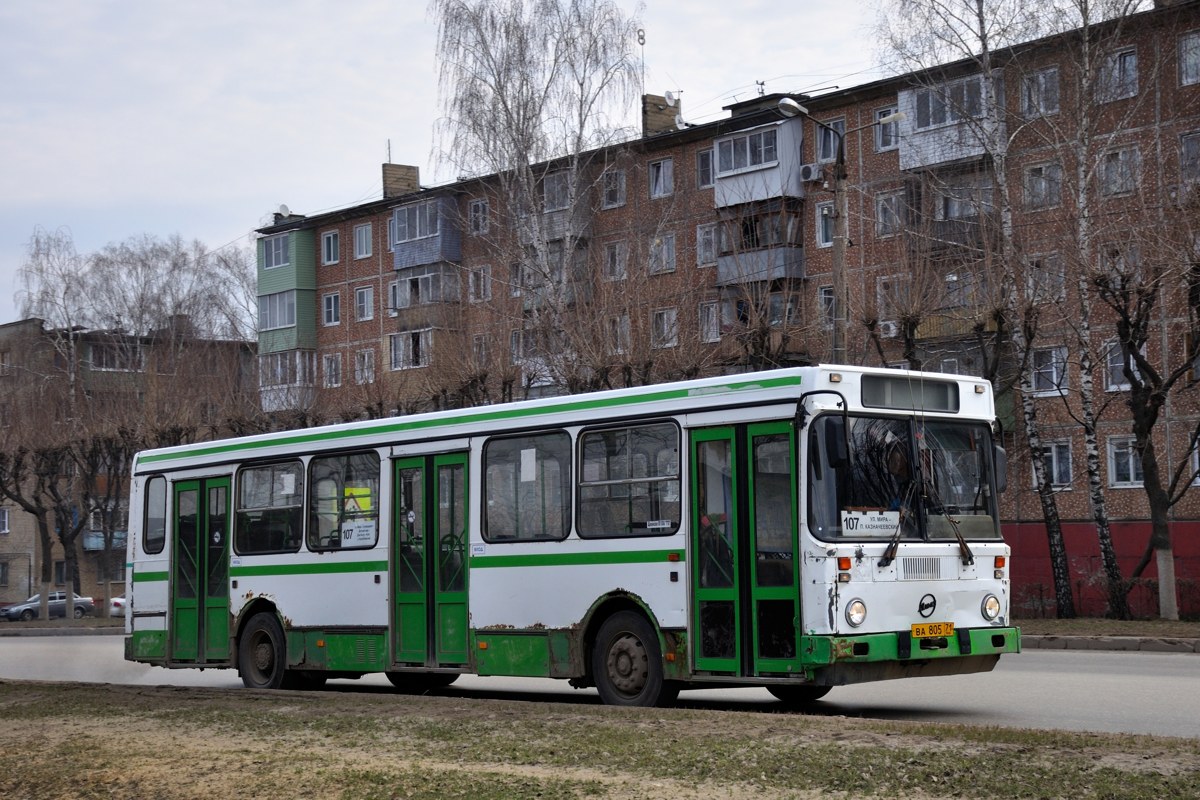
point(672, 98)
point(284, 211)
point(679, 123)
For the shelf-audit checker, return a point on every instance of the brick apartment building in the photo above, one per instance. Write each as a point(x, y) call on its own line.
point(711, 248)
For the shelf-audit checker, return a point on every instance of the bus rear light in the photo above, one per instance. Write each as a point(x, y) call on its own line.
point(843, 577)
point(844, 563)
point(1000, 561)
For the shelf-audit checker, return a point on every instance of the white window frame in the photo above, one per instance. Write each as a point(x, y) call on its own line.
point(330, 248)
point(706, 169)
point(1050, 371)
point(616, 261)
point(362, 240)
point(664, 328)
point(708, 313)
point(393, 294)
point(364, 303)
point(1119, 171)
point(618, 334)
point(279, 311)
point(479, 349)
point(420, 221)
point(1118, 76)
point(1189, 157)
point(364, 367)
point(516, 279)
point(276, 251)
point(825, 224)
point(478, 222)
point(391, 232)
point(1053, 286)
point(662, 254)
point(556, 191)
point(1189, 58)
point(887, 134)
point(825, 303)
point(1123, 449)
point(1040, 93)
point(748, 151)
point(612, 188)
point(661, 178)
point(827, 140)
point(889, 215)
point(1057, 458)
point(1114, 367)
point(708, 244)
point(1196, 462)
point(479, 284)
point(965, 200)
point(331, 369)
point(4, 521)
point(948, 104)
point(1043, 185)
point(400, 349)
point(331, 309)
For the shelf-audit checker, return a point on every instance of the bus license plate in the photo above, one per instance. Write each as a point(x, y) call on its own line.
point(925, 630)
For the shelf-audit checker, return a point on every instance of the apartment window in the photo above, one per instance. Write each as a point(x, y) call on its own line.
point(825, 309)
point(329, 247)
point(417, 221)
point(704, 169)
point(477, 217)
point(662, 178)
point(1118, 171)
point(892, 296)
point(949, 366)
point(4, 520)
point(1189, 58)
point(364, 367)
point(747, 152)
point(964, 289)
point(362, 241)
point(516, 277)
point(1049, 371)
point(415, 290)
point(614, 188)
point(706, 244)
point(1124, 462)
point(964, 199)
point(364, 303)
point(3, 573)
point(6, 364)
point(710, 321)
point(664, 328)
point(824, 224)
point(1039, 93)
point(556, 191)
point(616, 255)
point(479, 350)
point(479, 284)
point(1047, 279)
point(1115, 379)
point(393, 289)
point(1057, 459)
point(887, 134)
point(391, 233)
point(277, 310)
point(1118, 76)
point(889, 214)
point(1196, 462)
point(1043, 186)
point(949, 103)
point(332, 367)
point(1189, 157)
point(662, 254)
point(618, 334)
point(829, 134)
point(116, 357)
point(410, 349)
point(781, 309)
point(331, 309)
point(276, 251)
point(288, 368)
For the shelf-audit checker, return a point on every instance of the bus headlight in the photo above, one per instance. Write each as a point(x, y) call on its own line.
point(990, 607)
point(856, 612)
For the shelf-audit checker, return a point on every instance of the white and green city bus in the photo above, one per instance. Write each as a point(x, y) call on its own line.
point(796, 529)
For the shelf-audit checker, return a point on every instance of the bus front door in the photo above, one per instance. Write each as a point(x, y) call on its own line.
point(429, 561)
point(744, 537)
point(200, 572)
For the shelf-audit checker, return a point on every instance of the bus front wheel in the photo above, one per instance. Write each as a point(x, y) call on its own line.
point(262, 653)
point(627, 663)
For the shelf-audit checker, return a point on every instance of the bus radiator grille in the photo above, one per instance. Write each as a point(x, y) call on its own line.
point(921, 568)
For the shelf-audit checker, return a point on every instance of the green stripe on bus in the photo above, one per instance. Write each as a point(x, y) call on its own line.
point(577, 559)
point(307, 569)
point(468, 418)
point(148, 577)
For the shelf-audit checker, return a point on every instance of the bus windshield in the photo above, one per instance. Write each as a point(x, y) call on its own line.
point(902, 477)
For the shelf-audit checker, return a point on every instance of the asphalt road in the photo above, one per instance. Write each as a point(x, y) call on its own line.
point(1114, 692)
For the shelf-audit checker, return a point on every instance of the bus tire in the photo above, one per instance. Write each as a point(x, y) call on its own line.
point(799, 695)
point(262, 653)
point(627, 663)
point(421, 682)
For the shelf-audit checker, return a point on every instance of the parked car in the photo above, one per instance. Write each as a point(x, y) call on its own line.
point(58, 607)
point(116, 607)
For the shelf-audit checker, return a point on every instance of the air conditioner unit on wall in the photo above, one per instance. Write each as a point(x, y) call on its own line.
point(889, 330)
point(810, 173)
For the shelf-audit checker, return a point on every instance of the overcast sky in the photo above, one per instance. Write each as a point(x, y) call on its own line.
point(120, 118)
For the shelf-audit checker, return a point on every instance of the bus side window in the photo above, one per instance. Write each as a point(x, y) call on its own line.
point(527, 487)
point(269, 505)
point(154, 523)
point(344, 501)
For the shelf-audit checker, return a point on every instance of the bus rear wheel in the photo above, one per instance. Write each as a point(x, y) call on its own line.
point(799, 695)
point(627, 663)
point(262, 653)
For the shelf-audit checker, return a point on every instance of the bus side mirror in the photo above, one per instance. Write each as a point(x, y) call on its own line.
point(837, 446)
point(1001, 460)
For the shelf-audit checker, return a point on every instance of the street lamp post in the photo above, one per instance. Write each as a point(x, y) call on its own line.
point(841, 218)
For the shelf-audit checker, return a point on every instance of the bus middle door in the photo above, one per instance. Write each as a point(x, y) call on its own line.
point(199, 619)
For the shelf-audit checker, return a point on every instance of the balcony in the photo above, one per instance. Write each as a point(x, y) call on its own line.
point(775, 263)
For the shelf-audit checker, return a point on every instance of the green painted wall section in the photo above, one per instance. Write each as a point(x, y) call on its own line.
point(299, 275)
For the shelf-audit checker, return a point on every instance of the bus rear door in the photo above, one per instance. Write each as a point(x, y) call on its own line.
point(199, 616)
